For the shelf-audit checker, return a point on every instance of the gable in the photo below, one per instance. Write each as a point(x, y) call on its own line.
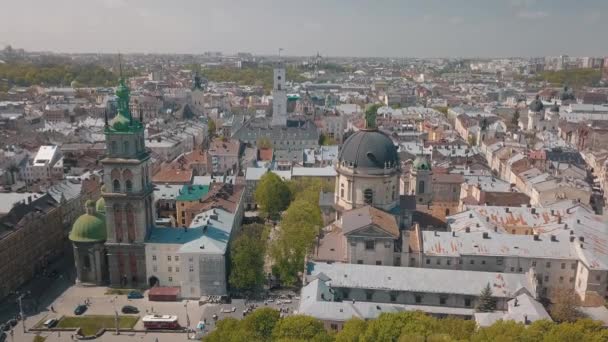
point(371, 230)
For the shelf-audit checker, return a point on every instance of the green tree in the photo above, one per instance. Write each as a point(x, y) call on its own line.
point(260, 324)
point(272, 195)
point(565, 308)
point(324, 140)
point(247, 258)
point(264, 142)
point(308, 189)
point(501, 331)
point(226, 330)
point(299, 228)
point(352, 330)
point(486, 302)
point(472, 140)
point(211, 127)
point(300, 328)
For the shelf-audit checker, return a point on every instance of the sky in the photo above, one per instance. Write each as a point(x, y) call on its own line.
point(365, 28)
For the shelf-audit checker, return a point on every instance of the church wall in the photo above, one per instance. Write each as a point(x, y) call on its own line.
point(381, 254)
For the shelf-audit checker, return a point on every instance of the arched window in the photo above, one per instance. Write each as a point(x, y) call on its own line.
point(130, 223)
point(368, 196)
point(118, 222)
point(116, 185)
point(421, 187)
point(113, 147)
point(127, 175)
point(342, 191)
point(447, 211)
point(125, 147)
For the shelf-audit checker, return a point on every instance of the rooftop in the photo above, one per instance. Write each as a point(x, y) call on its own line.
point(209, 233)
point(356, 219)
point(422, 280)
point(585, 232)
point(192, 192)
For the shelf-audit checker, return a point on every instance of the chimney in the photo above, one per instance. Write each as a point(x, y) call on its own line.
point(467, 230)
point(436, 233)
point(553, 238)
point(572, 239)
point(506, 209)
point(581, 238)
point(485, 235)
point(559, 219)
point(453, 234)
point(536, 237)
point(533, 210)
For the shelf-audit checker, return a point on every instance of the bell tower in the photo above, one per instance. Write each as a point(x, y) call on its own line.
point(128, 195)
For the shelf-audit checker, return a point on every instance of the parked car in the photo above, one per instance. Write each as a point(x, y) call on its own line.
point(135, 295)
point(129, 309)
point(80, 309)
point(50, 323)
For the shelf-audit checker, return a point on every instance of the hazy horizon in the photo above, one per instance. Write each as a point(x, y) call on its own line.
point(340, 28)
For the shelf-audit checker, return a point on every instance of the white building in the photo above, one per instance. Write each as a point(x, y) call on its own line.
point(46, 165)
point(564, 243)
point(337, 292)
point(193, 259)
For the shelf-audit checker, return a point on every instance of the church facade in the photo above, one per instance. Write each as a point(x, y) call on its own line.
point(116, 253)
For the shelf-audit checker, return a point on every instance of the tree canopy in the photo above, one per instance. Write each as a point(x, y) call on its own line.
point(299, 228)
point(211, 127)
point(265, 325)
point(486, 302)
point(57, 74)
point(247, 258)
point(257, 76)
point(576, 78)
point(272, 195)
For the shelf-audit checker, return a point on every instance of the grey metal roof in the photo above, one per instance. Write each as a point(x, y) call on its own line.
point(422, 280)
point(369, 149)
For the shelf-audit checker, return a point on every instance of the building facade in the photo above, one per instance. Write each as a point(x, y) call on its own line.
point(128, 195)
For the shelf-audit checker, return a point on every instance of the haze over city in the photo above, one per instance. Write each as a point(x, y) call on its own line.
point(397, 28)
point(330, 171)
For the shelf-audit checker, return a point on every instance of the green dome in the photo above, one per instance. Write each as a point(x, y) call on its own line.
point(100, 206)
point(89, 228)
point(421, 163)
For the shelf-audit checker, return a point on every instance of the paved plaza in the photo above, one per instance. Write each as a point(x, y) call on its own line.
point(189, 313)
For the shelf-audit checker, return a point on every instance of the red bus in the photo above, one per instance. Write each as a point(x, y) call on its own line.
point(160, 322)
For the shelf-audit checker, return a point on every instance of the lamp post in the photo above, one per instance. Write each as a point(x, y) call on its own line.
point(115, 314)
point(20, 301)
point(187, 317)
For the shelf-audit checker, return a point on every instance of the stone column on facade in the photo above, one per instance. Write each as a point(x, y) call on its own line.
point(77, 263)
point(98, 256)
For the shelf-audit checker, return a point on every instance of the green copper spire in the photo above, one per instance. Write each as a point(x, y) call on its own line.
point(123, 121)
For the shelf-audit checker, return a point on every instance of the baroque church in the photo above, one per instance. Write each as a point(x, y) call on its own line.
point(109, 239)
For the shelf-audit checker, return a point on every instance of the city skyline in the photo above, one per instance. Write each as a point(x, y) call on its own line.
point(338, 28)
